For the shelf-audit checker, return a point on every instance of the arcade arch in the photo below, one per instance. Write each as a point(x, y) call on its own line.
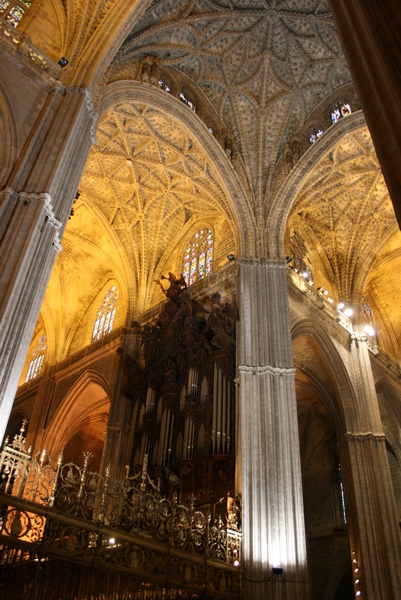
point(79, 424)
point(321, 430)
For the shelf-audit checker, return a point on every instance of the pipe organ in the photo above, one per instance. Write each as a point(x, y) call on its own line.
point(181, 385)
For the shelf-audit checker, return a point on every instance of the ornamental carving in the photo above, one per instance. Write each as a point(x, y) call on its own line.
point(182, 389)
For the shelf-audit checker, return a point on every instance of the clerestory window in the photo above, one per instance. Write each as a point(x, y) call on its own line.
point(105, 315)
point(13, 12)
point(36, 362)
point(198, 258)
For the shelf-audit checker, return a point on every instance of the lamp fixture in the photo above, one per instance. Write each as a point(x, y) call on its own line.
point(63, 62)
point(277, 571)
point(231, 257)
point(369, 330)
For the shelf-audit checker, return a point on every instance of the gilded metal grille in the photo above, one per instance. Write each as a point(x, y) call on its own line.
point(75, 515)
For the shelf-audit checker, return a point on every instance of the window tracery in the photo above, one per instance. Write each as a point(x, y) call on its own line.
point(13, 12)
point(105, 314)
point(36, 362)
point(342, 495)
point(198, 257)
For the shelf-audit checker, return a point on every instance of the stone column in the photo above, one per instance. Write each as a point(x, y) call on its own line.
point(370, 504)
point(268, 441)
point(118, 443)
point(370, 34)
point(34, 208)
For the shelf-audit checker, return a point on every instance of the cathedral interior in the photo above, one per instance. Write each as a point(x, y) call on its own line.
point(200, 341)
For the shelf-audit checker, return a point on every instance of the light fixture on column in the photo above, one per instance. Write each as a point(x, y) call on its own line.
point(231, 257)
point(370, 330)
point(63, 62)
point(277, 571)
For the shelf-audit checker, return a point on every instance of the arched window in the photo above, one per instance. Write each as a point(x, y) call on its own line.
point(14, 12)
point(342, 497)
point(198, 257)
point(37, 359)
point(105, 315)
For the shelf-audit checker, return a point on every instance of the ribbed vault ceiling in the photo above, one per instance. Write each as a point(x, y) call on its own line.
point(345, 216)
point(262, 68)
point(151, 181)
point(264, 65)
point(345, 211)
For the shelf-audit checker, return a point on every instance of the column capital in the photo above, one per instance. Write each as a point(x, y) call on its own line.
point(364, 437)
point(263, 261)
point(45, 199)
point(262, 370)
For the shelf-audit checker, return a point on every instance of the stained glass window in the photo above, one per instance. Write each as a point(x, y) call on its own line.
point(342, 496)
point(105, 315)
point(198, 258)
point(14, 12)
point(37, 360)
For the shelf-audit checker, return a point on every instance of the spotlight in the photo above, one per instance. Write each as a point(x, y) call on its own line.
point(369, 330)
point(277, 571)
point(288, 259)
point(63, 62)
point(231, 257)
point(348, 312)
point(340, 305)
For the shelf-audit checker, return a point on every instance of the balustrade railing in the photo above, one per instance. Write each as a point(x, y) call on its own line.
point(133, 505)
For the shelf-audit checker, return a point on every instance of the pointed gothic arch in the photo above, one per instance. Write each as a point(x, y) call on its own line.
point(85, 407)
point(237, 204)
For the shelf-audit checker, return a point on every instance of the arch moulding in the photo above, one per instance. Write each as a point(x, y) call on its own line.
point(71, 415)
point(284, 200)
point(238, 210)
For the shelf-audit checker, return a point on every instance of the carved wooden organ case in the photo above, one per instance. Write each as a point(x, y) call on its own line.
point(181, 388)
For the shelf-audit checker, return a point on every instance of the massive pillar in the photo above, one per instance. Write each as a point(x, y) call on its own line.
point(370, 504)
point(119, 432)
point(370, 33)
point(268, 444)
point(34, 208)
